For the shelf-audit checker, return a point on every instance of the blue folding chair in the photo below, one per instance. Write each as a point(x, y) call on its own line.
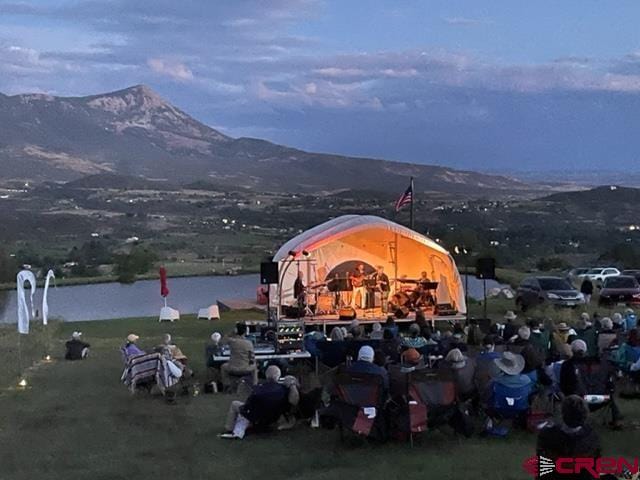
point(509, 402)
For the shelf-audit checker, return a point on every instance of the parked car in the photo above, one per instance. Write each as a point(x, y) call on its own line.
point(577, 274)
point(599, 275)
point(620, 290)
point(554, 291)
point(632, 273)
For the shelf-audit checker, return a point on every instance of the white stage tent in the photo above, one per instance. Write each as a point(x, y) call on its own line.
point(373, 241)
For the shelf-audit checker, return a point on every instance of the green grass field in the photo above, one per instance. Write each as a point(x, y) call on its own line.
point(77, 421)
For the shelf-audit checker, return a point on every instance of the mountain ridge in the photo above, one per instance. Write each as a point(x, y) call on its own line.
point(136, 132)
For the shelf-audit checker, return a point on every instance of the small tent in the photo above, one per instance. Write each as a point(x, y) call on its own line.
point(337, 245)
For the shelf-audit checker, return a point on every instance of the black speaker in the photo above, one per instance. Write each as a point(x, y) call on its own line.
point(401, 312)
point(486, 268)
point(268, 273)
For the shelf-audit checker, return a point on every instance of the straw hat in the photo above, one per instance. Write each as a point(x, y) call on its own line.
point(456, 359)
point(132, 338)
point(510, 315)
point(563, 327)
point(510, 363)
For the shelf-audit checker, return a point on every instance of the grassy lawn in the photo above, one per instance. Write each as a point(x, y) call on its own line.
point(77, 421)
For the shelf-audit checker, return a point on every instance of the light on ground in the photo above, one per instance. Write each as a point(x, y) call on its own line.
point(22, 383)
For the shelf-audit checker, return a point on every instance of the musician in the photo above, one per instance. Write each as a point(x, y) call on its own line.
point(299, 289)
point(382, 283)
point(423, 278)
point(358, 287)
point(424, 295)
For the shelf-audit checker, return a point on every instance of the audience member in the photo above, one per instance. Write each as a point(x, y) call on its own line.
point(336, 335)
point(573, 381)
point(364, 364)
point(573, 438)
point(390, 346)
point(486, 368)
point(76, 349)
point(606, 336)
point(267, 402)
point(618, 322)
point(533, 358)
point(586, 333)
point(390, 324)
point(414, 340)
point(241, 357)
point(510, 328)
point(131, 348)
point(462, 369)
point(376, 331)
point(630, 320)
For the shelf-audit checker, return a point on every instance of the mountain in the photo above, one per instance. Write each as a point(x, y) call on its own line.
point(135, 132)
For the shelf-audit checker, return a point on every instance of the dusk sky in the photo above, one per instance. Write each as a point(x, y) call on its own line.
point(500, 84)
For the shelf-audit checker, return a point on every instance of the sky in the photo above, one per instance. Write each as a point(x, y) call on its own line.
point(484, 85)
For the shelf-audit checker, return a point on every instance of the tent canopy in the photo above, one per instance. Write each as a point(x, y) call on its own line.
point(374, 241)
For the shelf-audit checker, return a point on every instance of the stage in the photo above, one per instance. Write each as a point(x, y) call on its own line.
point(368, 318)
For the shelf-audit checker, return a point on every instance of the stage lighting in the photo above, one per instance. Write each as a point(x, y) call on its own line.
point(456, 250)
point(292, 253)
point(305, 253)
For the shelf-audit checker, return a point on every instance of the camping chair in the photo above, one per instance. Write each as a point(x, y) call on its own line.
point(596, 386)
point(359, 398)
point(431, 400)
point(332, 354)
point(140, 371)
point(509, 403)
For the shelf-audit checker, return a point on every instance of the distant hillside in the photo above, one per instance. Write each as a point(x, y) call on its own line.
point(135, 132)
point(597, 197)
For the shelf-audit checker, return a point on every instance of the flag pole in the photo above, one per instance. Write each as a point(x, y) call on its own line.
point(413, 194)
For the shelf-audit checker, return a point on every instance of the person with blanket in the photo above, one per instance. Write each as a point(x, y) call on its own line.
point(131, 348)
point(267, 402)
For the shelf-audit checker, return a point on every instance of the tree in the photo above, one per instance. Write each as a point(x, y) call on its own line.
point(137, 262)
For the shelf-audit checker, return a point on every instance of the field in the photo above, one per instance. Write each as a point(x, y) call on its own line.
point(76, 419)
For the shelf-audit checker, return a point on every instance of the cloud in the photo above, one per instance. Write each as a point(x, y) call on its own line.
point(170, 68)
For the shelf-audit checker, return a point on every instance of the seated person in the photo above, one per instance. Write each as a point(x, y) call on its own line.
point(76, 348)
point(389, 346)
point(573, 438)
point(411, 359)
point(336, 335)
point(131, 348)
point(365, 364)
point(607, 337)
point(241, 357)
point(390, 324)
point(521, 344)
point(173, 353)
point(486, 368)
point(462, 370)
point(573, 381)
point(376, 331)
point(267, 402)
point(213, 348)
point(415, 339)
point(511, 376)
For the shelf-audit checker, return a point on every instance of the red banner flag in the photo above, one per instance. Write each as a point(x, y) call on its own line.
point(164, 289)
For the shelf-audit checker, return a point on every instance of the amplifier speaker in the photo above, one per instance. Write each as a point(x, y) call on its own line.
point(486, 268)
point(269, 273)
point(347, 313)
point(401, 312)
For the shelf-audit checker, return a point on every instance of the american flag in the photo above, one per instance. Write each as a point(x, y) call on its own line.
point(406, 198)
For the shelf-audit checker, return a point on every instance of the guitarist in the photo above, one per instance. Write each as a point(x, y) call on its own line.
point(382, 284)
point(358, 287)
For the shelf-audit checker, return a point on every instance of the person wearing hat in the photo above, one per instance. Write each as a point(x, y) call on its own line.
point(131, 348)
point(618, 322)
point(486, 368)
point(462, 370)
point(540, 338)
point(586, 333)
point(511, 365)
point(560, 336)
point(365, 364)
point(533, 358)
point(606, 336)
point(581, 375)
point(76, 349)
point(411, 358)
point(414, 340)
point(510, 328)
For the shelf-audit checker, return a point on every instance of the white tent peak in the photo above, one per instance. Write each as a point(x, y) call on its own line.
point(346, 225)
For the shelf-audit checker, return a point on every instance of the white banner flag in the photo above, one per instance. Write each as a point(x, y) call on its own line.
point(23, 309)
point(45, 304)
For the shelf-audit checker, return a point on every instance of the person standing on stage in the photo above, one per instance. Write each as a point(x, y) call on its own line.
point(382, 282)
point(358, 287)
point(299, 290)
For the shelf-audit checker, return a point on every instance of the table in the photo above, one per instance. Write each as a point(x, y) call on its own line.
point(269, 356)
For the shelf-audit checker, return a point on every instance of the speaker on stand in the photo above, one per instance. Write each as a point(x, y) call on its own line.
point(485, 269)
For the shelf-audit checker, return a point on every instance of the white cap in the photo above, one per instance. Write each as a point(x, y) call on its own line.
point(579, 346)
point(366, 354)
point(215, 337)
point(76, 335)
